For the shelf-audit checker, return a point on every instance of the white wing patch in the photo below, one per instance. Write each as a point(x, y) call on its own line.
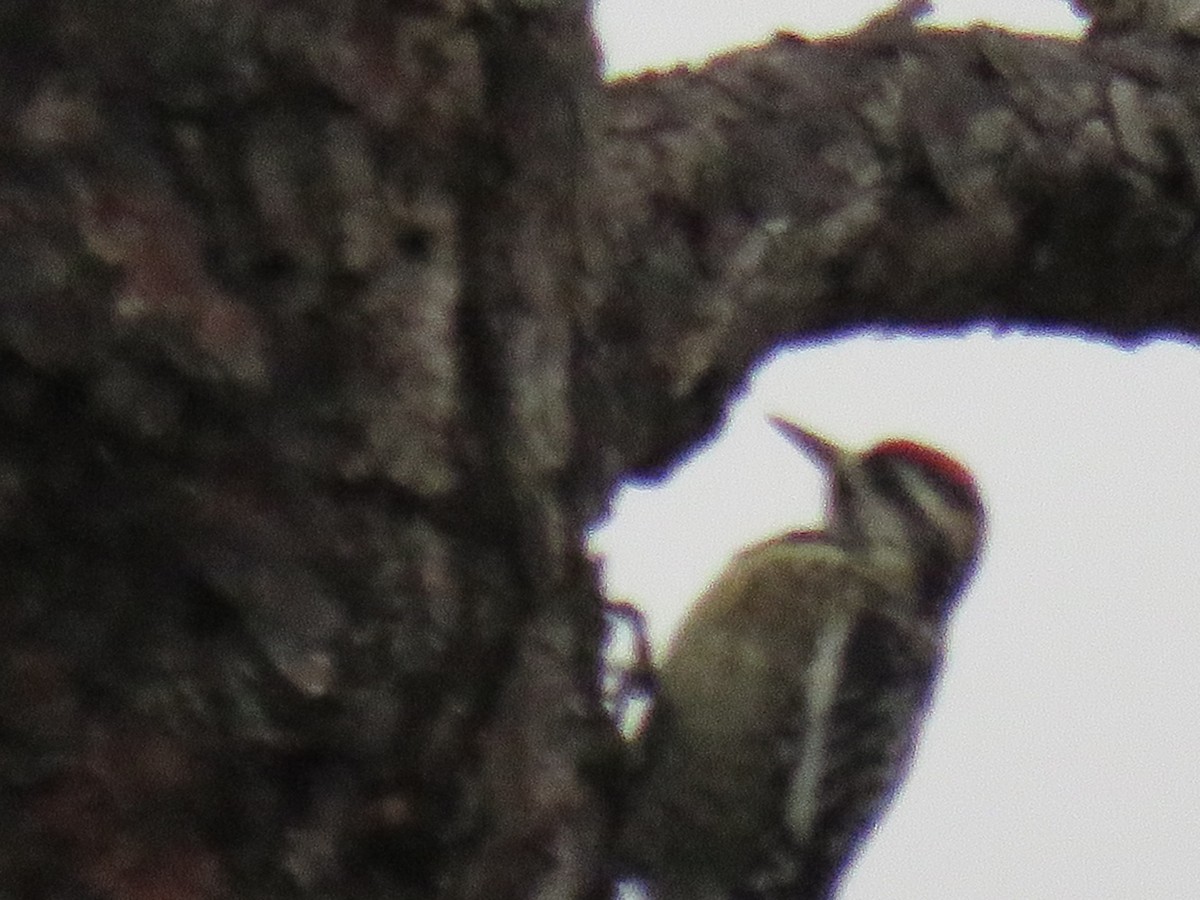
point(822, 679)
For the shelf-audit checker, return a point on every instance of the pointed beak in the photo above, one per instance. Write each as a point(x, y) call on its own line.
point(826, 454)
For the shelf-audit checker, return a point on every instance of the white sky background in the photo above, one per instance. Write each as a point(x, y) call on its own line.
point(1061, 759)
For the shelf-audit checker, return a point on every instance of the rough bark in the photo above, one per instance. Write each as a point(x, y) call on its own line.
point(328, 326)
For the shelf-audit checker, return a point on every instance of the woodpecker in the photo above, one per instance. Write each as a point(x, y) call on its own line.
point(791, 697)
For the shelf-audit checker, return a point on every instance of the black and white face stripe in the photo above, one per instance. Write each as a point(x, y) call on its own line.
point(921, 505)
point(921, 492)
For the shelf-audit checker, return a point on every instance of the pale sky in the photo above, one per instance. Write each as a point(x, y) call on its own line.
point(1060, 760)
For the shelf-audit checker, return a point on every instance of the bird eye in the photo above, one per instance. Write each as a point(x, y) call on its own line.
point(887, 480)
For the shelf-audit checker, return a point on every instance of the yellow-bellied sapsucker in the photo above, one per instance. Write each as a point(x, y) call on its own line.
point(790, 699)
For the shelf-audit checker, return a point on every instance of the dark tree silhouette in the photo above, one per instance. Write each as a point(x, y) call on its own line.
point(328, 326)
